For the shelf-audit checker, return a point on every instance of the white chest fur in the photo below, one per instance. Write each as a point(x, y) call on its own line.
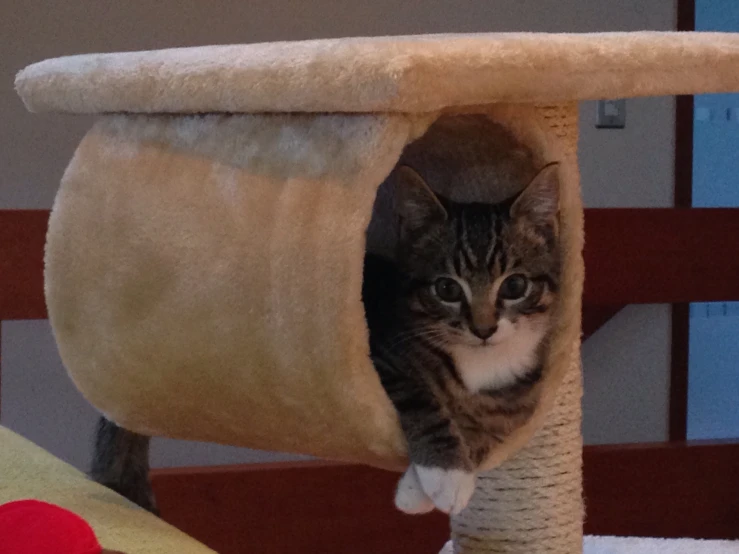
point(512, 354)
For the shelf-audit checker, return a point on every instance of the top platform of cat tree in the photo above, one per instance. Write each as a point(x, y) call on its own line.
point(389, 74)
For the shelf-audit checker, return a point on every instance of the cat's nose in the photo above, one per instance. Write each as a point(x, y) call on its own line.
point(484, 333)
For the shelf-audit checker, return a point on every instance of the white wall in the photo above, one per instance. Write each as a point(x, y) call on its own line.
point(627, 378)
point(626, 363)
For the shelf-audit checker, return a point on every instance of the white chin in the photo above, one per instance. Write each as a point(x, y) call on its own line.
point(495, 340)
point(479, 344)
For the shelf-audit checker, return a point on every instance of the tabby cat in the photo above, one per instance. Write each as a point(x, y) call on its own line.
point(458, 323)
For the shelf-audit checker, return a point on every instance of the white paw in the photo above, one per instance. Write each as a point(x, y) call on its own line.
point(448, 548)
point(450, 490)
point(409, 496)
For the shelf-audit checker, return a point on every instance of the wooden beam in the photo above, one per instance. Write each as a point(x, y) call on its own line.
point(677, 489)
point(303, 507)
point(679, 369)
point(22, 239)
point(684, 120)
point(686, 15)
point(645, 256)
point(632, 256)
point(661, 490)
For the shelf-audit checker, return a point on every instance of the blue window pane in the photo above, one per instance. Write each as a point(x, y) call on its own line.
point(713, 381)
point(713, 378)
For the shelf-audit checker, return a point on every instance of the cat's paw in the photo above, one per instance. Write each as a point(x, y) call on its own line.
point(449, 489)
point(409, 496)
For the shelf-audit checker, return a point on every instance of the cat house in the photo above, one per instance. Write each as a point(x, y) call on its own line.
point(205, 250)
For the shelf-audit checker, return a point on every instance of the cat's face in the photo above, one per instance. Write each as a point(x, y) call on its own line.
point(480, 274)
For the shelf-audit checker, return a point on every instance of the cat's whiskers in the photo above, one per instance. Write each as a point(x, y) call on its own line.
point(430, 337)
point(430, 334)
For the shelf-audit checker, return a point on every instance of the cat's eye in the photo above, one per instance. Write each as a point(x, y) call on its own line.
point(448, 290)
point(513, 287)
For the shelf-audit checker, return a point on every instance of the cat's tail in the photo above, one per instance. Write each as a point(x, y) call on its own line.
point(121, 463)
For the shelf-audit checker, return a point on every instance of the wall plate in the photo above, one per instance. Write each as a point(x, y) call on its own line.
point(611, 114)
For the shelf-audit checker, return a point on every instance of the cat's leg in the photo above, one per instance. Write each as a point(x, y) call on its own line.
point(121, 463)
point(450, 490)
point(440, 462)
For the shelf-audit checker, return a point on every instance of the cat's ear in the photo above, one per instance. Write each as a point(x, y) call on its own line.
point(539, 201)
point(415, 202)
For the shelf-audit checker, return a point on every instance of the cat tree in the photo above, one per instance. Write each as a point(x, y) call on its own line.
point(204, 255)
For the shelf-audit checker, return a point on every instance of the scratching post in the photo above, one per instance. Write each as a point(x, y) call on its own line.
point(533, 501)
point(204, 256)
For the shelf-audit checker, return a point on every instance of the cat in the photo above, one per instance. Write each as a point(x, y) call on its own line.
point(458, 322)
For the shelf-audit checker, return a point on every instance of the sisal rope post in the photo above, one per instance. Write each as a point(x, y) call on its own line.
point(532, 503)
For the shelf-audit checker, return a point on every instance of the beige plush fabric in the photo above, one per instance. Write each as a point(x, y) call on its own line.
point(27, 471)
point(203, 276)
point(407, 74)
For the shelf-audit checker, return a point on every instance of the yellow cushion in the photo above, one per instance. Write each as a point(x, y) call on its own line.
point(28, 471)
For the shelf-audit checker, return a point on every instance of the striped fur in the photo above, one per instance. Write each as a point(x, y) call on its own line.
point(463, 374)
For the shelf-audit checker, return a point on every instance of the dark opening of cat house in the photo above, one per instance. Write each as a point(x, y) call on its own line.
point(465, 158)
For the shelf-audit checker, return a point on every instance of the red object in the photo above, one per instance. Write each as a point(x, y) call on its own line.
point(34, 527)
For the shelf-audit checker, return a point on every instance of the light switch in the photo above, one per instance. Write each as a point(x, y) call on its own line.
point(611, 114)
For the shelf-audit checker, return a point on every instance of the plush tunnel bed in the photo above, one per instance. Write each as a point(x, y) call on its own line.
point(204, 256)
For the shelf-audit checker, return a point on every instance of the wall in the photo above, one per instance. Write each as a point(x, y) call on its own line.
point(632, 167)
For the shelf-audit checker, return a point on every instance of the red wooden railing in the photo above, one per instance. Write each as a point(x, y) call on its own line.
point(632, 256)
point(662, 490)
